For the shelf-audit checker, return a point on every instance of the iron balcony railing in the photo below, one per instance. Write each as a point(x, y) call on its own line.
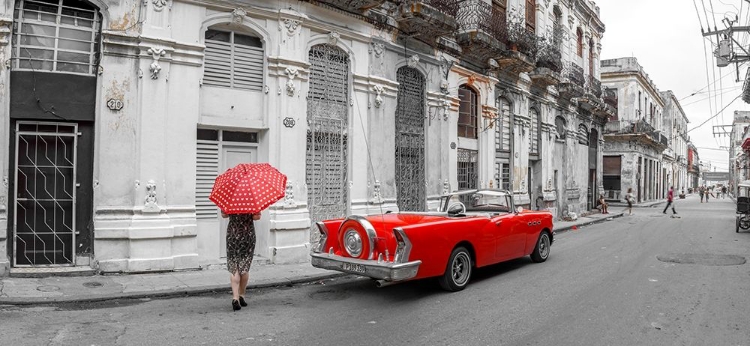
point(548, 54)
point(447, 7)
point(573, 73)
point(594, 86)
point(477, 15)
point(521, 39)
point(624, 127)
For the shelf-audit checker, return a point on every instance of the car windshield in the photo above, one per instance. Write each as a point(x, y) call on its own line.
point(480, 201)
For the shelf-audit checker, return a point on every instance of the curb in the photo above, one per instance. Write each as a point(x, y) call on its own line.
point(587, 223)
point(169, 293)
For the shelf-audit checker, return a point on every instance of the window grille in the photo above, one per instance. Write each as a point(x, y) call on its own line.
point(502, 175)
point(467, 112)
point(502, 132)
point(233, 60)
point(410, 163)
point(583, 135)
point(467, 169)
point(534, 133)
point(56, 36)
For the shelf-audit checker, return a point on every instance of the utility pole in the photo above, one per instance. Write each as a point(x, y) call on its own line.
point(726, 54)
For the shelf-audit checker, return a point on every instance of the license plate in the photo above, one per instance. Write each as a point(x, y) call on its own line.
point(353, 267)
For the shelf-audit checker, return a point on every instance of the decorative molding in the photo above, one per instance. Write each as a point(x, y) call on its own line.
point(378, 91)
point(238, 15)
point(291, 26)
point(377, 58)
point(413, 61)
point(289, 196)
point(446, 187)
point(333, 38)
point(291, 73)
point(5, 181)
point(377, 49)
point(159, 5)
point(5, 30)
point(376, 196)
point(150, 204)
point(155, 68)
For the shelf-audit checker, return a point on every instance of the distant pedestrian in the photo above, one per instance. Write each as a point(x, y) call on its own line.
point(701, 192)
point(670, 201)
point(723, 192)
point(629, 198)
point(603, 204)
point(707, 193)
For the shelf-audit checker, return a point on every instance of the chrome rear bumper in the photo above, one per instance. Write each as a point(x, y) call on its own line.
point(387, 271)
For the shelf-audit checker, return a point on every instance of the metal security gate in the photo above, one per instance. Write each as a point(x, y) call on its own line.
point(45, 194)
point(410, 165)
point(327, 129)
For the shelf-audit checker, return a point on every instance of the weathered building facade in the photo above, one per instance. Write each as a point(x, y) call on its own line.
point(634, 140)
point(675, 156)
point(119, 115)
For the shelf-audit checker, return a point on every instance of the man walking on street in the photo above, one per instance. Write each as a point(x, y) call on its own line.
point(670, 200)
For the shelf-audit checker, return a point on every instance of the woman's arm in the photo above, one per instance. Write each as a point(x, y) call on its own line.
point(224, 215)
point(256, 217)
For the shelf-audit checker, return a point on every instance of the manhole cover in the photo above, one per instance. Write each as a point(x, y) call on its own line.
point(48, 288)
point(703, 259)
point(92, 284)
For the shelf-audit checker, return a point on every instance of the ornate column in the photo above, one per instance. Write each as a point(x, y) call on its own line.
point(5, 35)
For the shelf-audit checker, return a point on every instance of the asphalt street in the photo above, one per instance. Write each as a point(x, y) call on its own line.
point(644, 279)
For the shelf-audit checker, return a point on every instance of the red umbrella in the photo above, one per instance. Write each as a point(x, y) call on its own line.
point(248, 188)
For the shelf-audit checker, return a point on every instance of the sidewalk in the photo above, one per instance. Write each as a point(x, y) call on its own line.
point(93, 288)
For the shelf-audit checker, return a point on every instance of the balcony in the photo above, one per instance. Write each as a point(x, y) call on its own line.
point(428, 20)
point(592, 96)
point(572, 82)
point(640, 129)
point(522, 48)
point(594, 86)
point(481, 31)
point(352, 5)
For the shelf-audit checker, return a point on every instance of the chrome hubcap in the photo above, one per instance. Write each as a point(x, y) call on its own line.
point(544, 246)
point(461, 267)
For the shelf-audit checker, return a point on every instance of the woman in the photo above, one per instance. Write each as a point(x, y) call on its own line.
point(240, 250)
point(629, 198)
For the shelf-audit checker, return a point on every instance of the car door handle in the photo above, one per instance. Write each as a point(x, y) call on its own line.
point(498, 223)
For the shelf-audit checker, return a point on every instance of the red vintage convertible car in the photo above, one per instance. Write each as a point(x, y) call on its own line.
point(472, 229)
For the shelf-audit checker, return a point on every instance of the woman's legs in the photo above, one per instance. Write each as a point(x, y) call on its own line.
point(235, 280)
point(243, 283)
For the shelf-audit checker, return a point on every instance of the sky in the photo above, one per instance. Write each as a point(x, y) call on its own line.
point(665, 36)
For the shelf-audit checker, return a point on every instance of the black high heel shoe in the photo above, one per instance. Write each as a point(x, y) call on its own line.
point(235, 305)
point(242, 301)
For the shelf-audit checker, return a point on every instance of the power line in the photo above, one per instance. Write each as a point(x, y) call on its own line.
point(715, 115)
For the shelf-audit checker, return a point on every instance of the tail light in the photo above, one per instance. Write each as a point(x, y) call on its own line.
point(403, 246)
point(320, 247)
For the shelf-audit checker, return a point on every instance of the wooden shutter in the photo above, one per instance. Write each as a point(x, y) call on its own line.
point(207, 169)
point(531, 15)
point(233, 60)
point(612, 165)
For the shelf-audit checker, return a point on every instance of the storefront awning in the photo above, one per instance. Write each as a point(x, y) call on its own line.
point(746, 144)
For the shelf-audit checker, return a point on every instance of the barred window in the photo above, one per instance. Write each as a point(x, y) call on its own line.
point(56, 36)
point(233, 60)
point(467, 112)
point(531, 15)
point(583, 135)
point(534, 133)
point(502, 175)
point(502, 132)
point(467, 169)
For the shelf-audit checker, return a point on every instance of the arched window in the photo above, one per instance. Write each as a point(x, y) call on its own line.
point(233, 60)
point(56, 35)
point(557, 28)
point(467, 112)
point(561, 125)
point(502, 126)
point(579, 34)
point(534, 132)
point(594, 139)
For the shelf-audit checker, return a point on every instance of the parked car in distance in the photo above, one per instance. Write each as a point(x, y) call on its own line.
point(471, 229)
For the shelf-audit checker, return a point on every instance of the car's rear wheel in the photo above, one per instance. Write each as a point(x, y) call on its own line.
point(458, 271)
point(541, 250)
